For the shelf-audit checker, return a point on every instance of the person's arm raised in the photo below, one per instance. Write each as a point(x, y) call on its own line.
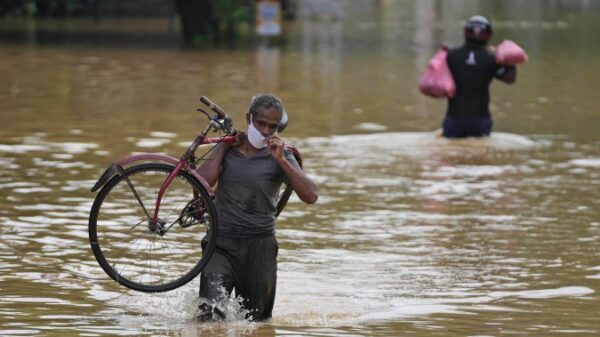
point(304, 187)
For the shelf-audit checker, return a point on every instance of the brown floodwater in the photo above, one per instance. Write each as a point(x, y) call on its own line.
point(413, 235)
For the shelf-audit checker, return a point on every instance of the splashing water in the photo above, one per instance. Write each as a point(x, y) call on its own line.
point(178, 310)
point(230, 306)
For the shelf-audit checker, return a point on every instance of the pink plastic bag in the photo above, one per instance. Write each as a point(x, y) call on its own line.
point(509, 53)
point(437, 80)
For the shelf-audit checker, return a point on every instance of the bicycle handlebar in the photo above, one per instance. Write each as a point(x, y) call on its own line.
point(214, 107)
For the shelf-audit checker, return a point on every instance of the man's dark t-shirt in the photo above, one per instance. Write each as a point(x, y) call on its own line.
point(473, 67)
point(247, 192)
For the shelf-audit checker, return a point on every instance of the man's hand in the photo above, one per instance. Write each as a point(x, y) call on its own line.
point(276, 145)
point(239, 137)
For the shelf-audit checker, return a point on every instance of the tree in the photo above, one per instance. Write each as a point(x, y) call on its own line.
point(197, 20)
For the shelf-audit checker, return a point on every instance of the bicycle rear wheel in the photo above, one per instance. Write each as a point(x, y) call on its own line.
point(167, 256)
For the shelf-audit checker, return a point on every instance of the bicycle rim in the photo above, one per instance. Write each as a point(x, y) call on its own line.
point(163, 259)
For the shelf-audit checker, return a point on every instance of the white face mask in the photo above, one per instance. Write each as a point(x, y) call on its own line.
point(255, 137)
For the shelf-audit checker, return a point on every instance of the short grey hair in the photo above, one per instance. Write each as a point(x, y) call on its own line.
point(266, 101)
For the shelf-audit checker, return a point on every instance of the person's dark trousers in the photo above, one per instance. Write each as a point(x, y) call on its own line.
point(247, 264)
point(460, 127)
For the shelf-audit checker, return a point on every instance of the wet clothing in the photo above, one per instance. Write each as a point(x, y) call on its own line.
point(473, 67)
point(245, 257)
point(247, 264)
point(247, 192)
point(460, 127)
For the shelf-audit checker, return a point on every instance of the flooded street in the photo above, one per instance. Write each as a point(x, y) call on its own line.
point(413, 235)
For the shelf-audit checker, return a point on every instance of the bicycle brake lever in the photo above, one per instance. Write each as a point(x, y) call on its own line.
point(204, 112)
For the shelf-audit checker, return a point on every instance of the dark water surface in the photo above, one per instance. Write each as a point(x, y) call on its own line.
point(413, 235)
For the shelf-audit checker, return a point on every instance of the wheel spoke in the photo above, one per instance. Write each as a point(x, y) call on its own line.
point(182, 250)
point(140, 259)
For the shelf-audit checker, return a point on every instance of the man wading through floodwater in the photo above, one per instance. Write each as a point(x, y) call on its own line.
point(249, 175)
point(473, 66)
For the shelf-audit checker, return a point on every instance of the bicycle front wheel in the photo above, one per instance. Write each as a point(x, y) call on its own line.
point(152, 257)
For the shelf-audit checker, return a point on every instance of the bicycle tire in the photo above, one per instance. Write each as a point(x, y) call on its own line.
point(141, 259)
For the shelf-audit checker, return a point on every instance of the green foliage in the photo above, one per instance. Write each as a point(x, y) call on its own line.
point(29, 9)
point(232, 12)
point(200, 40)
point(17, 8)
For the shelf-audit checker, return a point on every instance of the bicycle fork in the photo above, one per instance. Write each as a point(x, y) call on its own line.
point(154, 222)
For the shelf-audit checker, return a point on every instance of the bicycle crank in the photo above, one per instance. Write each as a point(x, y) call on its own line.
point(193, 213)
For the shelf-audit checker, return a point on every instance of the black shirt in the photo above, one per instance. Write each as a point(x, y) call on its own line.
point(473, 67)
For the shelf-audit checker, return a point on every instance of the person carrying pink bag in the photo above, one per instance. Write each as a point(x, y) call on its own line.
point(437, 80)
point(510, 53)
point(473, 66)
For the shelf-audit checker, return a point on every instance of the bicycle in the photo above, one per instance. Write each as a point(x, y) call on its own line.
point(159, 249)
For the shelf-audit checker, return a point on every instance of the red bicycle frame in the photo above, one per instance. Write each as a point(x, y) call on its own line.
point(187, 161)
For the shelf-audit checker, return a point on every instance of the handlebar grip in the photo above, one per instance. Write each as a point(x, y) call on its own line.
point(214, 107)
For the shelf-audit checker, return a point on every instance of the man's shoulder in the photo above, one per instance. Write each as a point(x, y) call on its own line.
point(467, 49)
point(291, 149)
point(456, 52)
point(483, 55)
point(457, 49)
point(291, 152)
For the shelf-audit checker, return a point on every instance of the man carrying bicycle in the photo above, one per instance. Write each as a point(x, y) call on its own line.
point(249, 175)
